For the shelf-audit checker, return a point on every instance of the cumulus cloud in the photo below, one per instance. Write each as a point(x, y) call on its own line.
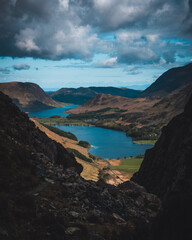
point(22, 66)
point(57, 29)
point(143, 48)
point(109, 63)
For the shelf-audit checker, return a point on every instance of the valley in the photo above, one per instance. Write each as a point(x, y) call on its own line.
point(96, 120)
point(58, 169)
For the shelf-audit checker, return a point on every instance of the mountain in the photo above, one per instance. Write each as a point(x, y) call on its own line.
point(167, 172)
point(107, 101)
point(82, 95)
point(139, 111)
point(42, 195)
point(28, 97)
point(169, 81)
point(167, 107)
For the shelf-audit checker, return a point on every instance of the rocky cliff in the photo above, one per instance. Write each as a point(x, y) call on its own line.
point(28, 96)
point(167, 172)
point(42, 195)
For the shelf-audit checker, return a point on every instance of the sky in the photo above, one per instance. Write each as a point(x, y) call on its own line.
point(73, 43)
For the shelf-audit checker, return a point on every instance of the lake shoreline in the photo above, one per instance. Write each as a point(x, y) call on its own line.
point(106, 143)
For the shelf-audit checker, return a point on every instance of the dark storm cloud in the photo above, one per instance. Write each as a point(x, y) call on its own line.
point(21, 66)
point(56, 29)
point(47, 29)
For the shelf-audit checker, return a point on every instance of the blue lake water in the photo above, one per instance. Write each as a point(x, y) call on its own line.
point(51, 112)
point(106, 143)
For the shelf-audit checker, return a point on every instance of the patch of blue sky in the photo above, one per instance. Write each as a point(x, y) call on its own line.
point(107, 36)
point(178, 41)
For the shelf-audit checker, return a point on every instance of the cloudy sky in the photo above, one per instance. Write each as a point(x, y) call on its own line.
point(72, 43)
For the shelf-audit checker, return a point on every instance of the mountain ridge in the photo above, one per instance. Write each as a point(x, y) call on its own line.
point(83, 94)
point(169, 81)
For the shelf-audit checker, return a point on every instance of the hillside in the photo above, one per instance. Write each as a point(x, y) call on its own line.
point(107, 101)
point(169, 81)
point(167, 172)
point(28, 97)
point(42, 195)
point(141, 111)
point(82, 95)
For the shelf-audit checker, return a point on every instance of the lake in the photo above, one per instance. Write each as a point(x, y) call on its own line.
point(51, 112)
point(106, 143)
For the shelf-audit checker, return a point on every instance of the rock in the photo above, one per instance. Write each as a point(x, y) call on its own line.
point(167, 172)
point(118, 218)
point(72, 231)
point(74, 214)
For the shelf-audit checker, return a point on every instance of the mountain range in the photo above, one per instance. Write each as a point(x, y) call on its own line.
point(82, 95)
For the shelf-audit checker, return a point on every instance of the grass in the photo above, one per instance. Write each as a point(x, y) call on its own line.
point(152, 142)
point(62, 121)
point(129, 165)
point(79, 155)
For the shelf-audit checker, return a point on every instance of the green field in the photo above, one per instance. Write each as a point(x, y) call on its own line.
point(152, 142)
point(129, 165)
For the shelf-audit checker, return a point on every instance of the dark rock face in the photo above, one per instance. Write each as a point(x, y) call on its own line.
point(167, 172)
point(42, 195)
point(167, 167)
point(18, 131)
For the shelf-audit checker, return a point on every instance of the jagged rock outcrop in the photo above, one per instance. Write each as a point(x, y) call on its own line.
point(167, 172)
point(42, 195)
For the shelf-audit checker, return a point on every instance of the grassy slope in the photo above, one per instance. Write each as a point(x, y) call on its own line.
point(152, 142)
point(90, 170)
point(129, 165)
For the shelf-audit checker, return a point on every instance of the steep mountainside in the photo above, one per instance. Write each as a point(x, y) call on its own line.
point(28, 96)
point(42, 195)
point(169, 81)
point(82, 95)
point(167, 172)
